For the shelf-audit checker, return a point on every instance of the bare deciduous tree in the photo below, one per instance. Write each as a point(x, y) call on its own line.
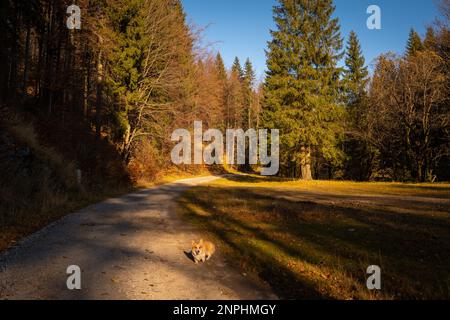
point(409, 115)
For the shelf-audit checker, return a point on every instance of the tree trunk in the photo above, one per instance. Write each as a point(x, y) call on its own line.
point(99, 95)
point(126, 149)
point(50, 102)
point(68, 71)
point(26, 61)
point(305, 163)
point(249, 114)
point(13, 67)
point(39, 67)
point(86, 63)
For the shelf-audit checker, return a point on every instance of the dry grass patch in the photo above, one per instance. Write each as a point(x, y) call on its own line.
point(309, 246)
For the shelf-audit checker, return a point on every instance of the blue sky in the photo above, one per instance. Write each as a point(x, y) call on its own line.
point(241, 27)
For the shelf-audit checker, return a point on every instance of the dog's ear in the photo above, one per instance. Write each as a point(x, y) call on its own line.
point(201, 241)
point(193, 242)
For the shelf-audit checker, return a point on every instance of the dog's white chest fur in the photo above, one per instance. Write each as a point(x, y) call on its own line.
point(199, 257)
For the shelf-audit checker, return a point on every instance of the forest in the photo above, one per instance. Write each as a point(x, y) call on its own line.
point(99, 103)
point(135, 71)
point(86, 119)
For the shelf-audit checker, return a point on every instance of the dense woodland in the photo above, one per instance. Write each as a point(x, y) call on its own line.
point(108, 96)
point(131, 75)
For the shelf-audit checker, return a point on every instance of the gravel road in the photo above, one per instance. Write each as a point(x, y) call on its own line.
point(132, 247)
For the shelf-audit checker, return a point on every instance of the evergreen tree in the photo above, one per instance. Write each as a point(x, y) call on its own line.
point(360, 156)
point(223, 83)
point(414, 43)
point(355, 74)
point(147, 65)
point(302, 84)
point(249, 73)
point(248, 92)
point(430, 40)
point(237, 68)
point(125, 63)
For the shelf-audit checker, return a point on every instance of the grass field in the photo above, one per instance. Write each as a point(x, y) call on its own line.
point(315, 240)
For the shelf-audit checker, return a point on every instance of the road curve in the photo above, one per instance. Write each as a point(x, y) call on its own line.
point(130, 247)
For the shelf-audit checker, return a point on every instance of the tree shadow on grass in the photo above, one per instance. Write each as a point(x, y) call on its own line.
point(247, 178)
point(439, 191)
point(97, 239)
point(285, 283)
point(411, 248)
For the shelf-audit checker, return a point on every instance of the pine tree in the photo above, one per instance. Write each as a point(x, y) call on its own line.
point(249, 73)
point(248, 92)
point(355, 74)
point(125, 63)
point(430, 40)
point(360, 155)
point(237, 68)
point(147, 65)
point(302, 83)
point(223, 83)
point(414, 43)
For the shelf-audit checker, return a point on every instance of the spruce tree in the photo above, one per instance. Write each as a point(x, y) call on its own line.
point(223, 82)
point(360, 155)
point(249, 73)
point(302, 83)
point(414, 43)
point(237, 68)
point(430, 40)
point(248, 83)
point(125, 63)
point(234, 101)
point(355, 74)
point(148, 65)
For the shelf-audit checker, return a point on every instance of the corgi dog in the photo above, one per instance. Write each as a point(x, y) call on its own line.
point(202, 250)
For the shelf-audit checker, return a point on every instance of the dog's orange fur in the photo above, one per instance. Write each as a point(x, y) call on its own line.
point(202, 250)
